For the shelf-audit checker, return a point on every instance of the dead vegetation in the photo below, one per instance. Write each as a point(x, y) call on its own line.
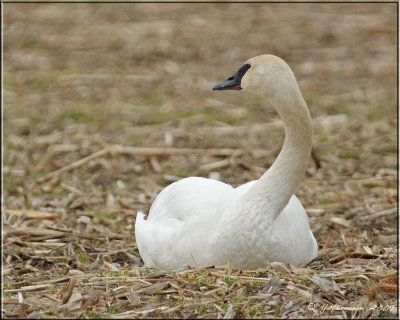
point(106, 104)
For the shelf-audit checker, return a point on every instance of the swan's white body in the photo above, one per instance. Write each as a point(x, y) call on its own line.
point(204, 222)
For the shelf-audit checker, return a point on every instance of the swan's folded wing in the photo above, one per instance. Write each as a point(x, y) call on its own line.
point(190, 199)
point(182, 222)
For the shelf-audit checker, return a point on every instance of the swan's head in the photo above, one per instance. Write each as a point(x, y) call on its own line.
point(266, 75)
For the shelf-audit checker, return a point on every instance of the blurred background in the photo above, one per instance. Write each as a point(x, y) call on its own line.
point(105, 70)
point(80, 77)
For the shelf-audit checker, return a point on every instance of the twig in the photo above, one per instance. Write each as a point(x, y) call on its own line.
point(216, 165)
point(69, 289)
point(33, 232)
point(143, 151)
point(73, 165)
point(316, 159)
point(132, 312)
point(31, 214)
point(29, 288)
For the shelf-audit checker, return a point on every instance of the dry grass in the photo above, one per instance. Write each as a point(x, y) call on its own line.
point(104, 105)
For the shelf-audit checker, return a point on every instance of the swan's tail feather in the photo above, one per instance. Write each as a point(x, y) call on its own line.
point(143, 235)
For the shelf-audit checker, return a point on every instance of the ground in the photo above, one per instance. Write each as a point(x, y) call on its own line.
point(103, 106)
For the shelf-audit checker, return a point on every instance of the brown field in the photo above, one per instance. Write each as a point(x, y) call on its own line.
point(97, 97)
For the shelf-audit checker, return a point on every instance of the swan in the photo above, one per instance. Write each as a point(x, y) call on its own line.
point(203, 222)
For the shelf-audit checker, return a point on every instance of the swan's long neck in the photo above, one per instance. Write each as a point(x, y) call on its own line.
point(273, 190)
point(252, 217)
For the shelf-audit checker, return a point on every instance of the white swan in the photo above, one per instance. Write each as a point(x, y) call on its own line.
point(204, 222)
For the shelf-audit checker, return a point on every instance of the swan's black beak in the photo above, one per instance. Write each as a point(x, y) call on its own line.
point(234, 81)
